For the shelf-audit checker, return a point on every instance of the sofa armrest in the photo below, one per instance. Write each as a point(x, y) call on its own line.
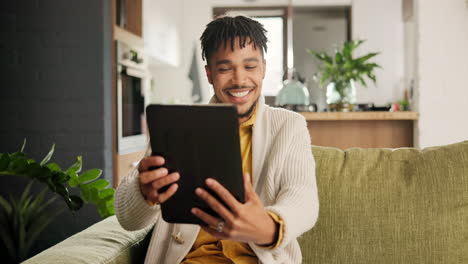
point(104, 242)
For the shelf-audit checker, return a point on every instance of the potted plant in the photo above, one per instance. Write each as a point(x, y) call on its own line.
point(340, 71)
point(23, 218)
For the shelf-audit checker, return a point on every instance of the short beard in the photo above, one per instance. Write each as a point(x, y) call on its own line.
point(249, 112)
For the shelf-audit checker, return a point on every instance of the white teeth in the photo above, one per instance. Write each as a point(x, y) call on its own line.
point(239, 94)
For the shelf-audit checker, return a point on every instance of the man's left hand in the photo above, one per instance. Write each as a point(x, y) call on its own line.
point(242, 222)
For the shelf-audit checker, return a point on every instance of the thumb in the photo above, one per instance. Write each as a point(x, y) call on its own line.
point(248, 188)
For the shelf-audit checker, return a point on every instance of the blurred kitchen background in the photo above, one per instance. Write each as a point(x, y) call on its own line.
point(79, 73)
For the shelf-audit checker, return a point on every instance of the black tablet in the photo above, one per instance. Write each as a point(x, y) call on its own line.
point(199, 142)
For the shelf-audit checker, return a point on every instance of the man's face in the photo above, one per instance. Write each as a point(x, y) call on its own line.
point(237, 76)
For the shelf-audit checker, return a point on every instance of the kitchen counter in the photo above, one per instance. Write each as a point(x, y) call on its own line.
point(401, 115)
point(361, 129)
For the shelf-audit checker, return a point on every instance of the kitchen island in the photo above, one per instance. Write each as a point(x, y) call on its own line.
point(361, 129)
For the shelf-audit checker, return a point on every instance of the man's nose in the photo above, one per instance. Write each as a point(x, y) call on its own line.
point(239, 77)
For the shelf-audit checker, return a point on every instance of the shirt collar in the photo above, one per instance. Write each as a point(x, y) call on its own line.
point(251, 121)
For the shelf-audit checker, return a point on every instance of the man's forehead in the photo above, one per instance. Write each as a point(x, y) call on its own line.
point(244, 49)
point(237, 43)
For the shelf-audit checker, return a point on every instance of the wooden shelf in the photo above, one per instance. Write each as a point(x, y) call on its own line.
point(335, 116)
point(128, 37)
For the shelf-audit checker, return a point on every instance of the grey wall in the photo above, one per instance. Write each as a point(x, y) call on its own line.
point(55, 85)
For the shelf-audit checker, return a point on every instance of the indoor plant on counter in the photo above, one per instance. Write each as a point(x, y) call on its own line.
point(338, 73)
point(23, 218)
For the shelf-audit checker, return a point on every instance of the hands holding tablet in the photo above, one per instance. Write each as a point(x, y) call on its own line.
point(153, 180)
point(243, 222)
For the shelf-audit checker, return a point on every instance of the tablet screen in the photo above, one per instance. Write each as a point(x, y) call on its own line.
point(199, 142)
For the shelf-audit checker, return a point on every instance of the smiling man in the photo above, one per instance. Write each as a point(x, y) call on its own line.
point(235, 66)
point(281, 200)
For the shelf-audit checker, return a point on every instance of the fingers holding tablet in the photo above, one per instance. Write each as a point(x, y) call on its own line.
point(160, 198)
point(149, 176)
point(151, 161)
point(151, 180)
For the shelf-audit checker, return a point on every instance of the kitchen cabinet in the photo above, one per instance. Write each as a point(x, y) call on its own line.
point(362, 129)
point(128, 15)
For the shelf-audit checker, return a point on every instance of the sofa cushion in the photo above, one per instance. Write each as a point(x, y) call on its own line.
point(105, 242)
point(390, 206)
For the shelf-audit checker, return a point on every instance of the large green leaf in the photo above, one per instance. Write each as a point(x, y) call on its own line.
point(73, 181)
point(89, 175)
point(106, 193)
point(75, 167)
point(364, 58)
point(53, 167)
point(321, 56)
point(85, 194)
point(98, 184)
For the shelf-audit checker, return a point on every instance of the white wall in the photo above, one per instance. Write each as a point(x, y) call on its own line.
point(442, 61)
point(161, 30)
point(380, 23)
point(171, 30)
point(163, 34)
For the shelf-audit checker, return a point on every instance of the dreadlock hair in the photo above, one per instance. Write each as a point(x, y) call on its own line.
point(225, 29)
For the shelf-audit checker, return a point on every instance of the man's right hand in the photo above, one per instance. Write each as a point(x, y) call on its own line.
point(153, 180)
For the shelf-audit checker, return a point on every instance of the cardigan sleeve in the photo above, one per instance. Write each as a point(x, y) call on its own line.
point(297, 199)
point(131, 209)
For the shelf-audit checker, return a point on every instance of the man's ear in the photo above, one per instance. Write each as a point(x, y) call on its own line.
point(264, 68)
point(208, 74)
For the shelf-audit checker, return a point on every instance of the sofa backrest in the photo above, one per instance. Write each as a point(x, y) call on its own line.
point(390, 206)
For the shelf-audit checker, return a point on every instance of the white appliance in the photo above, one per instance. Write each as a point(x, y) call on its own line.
point(133, 82)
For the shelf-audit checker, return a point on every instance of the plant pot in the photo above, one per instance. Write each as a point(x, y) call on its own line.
point(341, 96)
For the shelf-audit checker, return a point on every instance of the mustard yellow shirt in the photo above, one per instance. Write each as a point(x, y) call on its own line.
point(210, 250)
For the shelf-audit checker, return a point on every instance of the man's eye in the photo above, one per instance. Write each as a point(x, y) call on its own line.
point(250, 67)
point(223, 69)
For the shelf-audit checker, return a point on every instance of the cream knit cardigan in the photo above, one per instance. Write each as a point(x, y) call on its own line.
point(283, 176)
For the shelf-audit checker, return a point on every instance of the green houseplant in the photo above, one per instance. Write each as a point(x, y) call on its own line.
point(339, 72)
point(23, 219)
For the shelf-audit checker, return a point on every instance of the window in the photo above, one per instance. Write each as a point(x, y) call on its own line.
point(274, 57)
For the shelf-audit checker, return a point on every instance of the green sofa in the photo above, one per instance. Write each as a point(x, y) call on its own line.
point(376, 206)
